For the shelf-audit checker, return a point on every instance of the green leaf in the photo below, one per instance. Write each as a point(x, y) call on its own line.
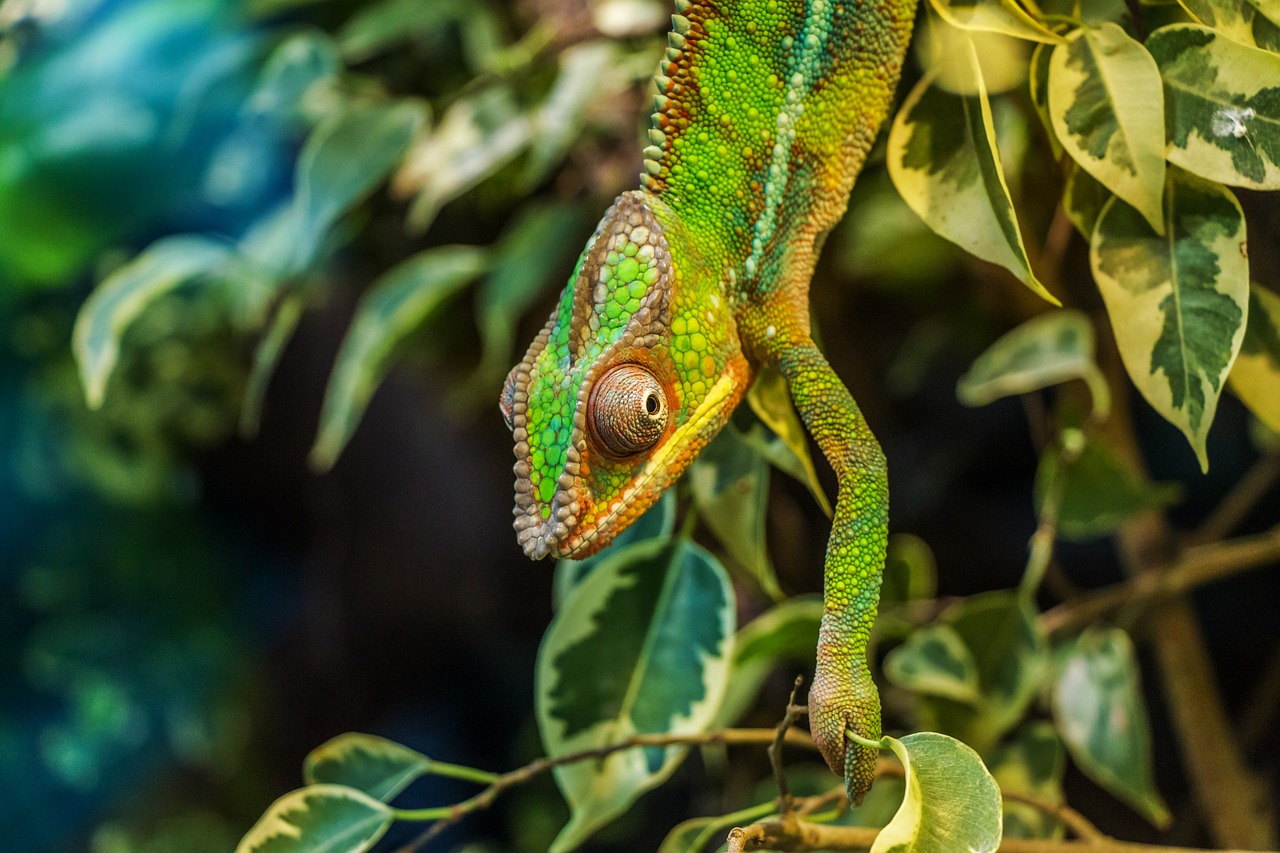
point(730, 486)
point(770, 400)
point(1038, 83)
point(532, 249)
point(910, 571)
point(1083, 199)
point(1011, 656)
point(375, 27)
point(944, 161)
point(642, 645)
point(935, 661)
point(1177, 303)
point(1097, 705)
point(397, 304)
point(1031, 763)
point(1223, 106)
point(265, 358)
point(319, 819)
point(786, 631)
point(122, 296)
point(952, 803)
point(1048, 349)
point(657, 522)
point(373, 765)
point(299, 63)
point(476, 136)
point(1255, 377)
point(1236, 19)
point(1099, 493)
point(997, 16)
point(1107, 108)
point(346, 156)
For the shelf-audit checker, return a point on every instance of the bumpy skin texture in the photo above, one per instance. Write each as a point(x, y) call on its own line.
point(764, 115)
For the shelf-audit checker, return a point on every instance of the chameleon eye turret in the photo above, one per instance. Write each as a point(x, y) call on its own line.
point(628, 410)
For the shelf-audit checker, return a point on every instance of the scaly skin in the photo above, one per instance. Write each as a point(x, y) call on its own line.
point(765, 112)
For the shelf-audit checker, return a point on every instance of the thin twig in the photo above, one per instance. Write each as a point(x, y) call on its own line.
point(1194, 567)
point(484, 799)
point(775, 749)
point(1080, 825)
point(1233, 509)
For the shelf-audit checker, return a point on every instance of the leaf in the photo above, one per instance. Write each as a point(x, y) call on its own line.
point(770, 400)
point(342, 161)
point(951, 804)
point(657, 522)
point(319, 819)
point(1048, 349)
point(122, 296)
point(265, 358)
point(1236, 19)
point(1083, 199)
point(534, 247)
point(1255, 378)
point(642, 645)
point(1223, 106)
point(1097, 705)
point(944, 162)
point(1107, 108)
point(396, 304)
point(1099, 493)
point(297, 65)
point(786, 631)
point(375, 27)
point(370, 764)
point(910, 571)
point(997, 16)
point(1038, 83)
point(935, 661)
point(476, 136)
point(730, 486)
point(1011, 656)
point(1177, 303)
point(1032, 764)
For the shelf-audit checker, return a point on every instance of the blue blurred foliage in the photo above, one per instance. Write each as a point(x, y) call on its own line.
point(124, 638)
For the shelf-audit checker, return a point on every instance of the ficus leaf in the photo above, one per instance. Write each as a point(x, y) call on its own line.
point(944, 162)
point(1177, 302)
point(1107, 109)
point(1255, 377)
point(370, 764)
point(319, 819)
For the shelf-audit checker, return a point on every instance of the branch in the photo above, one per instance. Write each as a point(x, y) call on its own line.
point(1235, 507)
point(794, 712)
point(484, 799)
point(1196, 566)
point(795, 836)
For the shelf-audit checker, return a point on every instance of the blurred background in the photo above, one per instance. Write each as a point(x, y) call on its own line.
point(192, 596)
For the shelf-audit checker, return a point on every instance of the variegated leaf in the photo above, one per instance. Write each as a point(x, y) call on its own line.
point(1255, 378)
point(944, 162)
point(1083, 199)
point(1251, 22)
point(996, 16)
point(1107, 108)
point(1223, 103)
point(328, 818)
point(1038, 82)
point(1177, 303)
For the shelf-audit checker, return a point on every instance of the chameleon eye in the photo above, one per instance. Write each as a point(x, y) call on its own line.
point(628, 410)
point(507, 402)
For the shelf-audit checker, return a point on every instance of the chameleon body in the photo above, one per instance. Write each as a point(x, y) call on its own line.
point(764, 115)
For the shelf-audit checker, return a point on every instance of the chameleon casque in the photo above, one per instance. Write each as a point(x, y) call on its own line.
point(764, 115)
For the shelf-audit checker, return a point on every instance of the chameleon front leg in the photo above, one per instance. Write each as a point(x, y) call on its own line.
point(843, 695)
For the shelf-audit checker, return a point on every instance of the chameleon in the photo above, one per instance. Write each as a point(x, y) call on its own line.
point(764, 113)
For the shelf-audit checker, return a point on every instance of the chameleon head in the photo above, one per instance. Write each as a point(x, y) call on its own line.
point(638, 367)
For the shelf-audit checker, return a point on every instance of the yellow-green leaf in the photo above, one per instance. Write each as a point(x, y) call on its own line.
point(398, 303)
point(1097, 704)
point(122, 296)
point(1240, 20)
point(997, 16)
point(952, 803)
point(1107, 108)
point(945, 163)
point(373, 765)
point(1222, 104)
point(1048, 349)
point(319, 819)
point(770, 399)
point(1177, 302)
point(1255, 378)
point(935, 661)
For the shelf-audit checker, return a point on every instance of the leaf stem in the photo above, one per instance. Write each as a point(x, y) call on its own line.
point(458, 771)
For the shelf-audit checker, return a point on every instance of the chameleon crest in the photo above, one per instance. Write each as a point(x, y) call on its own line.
point(637, 368)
